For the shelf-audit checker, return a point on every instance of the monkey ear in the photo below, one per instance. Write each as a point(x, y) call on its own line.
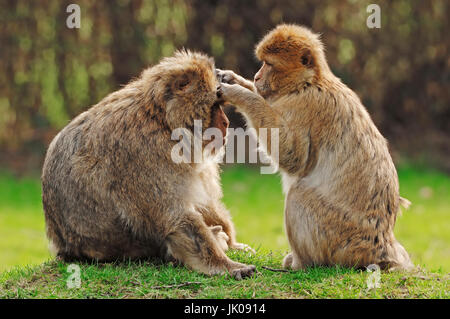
point(181, 82)
point(216, 229)
point(307, 58)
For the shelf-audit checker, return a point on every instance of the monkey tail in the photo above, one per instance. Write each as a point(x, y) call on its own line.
point(404, 202)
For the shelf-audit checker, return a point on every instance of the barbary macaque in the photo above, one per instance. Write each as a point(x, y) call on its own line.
point(112, 191)
point(340, 183)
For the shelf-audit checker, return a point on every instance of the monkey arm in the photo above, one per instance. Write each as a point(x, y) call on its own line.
point(293, 144)
point(260, 114)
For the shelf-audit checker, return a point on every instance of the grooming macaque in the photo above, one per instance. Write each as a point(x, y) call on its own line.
point(111, 190)
point(341, 186)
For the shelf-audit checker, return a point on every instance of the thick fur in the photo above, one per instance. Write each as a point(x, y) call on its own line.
point(111, 190)
point(341, 186)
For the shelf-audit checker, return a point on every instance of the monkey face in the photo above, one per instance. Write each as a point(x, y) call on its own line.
point(276, 75)
point(219, 120)
point(190, 95)
point(263, 81)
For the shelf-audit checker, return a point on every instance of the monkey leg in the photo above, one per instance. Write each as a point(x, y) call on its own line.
point(399, 258)
point(221, 237)
point(319, 234)
point(194, 244)
point(300, 229)
point(219, 215)
point(322, 233)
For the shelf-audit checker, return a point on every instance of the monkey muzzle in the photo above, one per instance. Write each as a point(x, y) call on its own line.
point(220, 120)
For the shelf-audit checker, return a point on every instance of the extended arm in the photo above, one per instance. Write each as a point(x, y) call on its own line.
point(293, 145)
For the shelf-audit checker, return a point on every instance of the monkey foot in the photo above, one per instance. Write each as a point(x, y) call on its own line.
point(287, 261)
point(245, 271)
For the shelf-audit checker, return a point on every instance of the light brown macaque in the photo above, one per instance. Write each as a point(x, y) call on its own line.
point(112, 191)
point(341, 186)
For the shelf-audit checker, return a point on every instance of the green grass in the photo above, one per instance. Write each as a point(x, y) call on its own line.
point(153, 280)
point(424, 229)
point(22, 227)
point(256, 204)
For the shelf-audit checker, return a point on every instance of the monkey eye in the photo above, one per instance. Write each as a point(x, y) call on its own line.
point(268, 64)
point(305, 60)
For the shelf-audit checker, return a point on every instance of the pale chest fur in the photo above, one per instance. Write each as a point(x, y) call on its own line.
point(204, 186)
point(321, 177)
point(287, 181)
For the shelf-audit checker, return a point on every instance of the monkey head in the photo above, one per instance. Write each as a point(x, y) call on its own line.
point(185, 86)
point(291, 56)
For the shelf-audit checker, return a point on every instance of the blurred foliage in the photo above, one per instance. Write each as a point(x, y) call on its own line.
point(50, 73)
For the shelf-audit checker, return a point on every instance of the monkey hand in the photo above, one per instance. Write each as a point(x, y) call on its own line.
point(229, 77)
point(243, 272)
point(243, 247)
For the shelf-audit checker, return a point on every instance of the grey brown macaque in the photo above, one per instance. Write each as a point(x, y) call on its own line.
point(112, 191)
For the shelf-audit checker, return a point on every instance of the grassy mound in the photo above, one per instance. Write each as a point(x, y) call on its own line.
point(146, 279)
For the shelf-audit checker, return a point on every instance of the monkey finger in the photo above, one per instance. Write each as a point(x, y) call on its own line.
point(225, 76)
point(219, 92)
point(219, 75)
point(244, 247)
point(228, 78)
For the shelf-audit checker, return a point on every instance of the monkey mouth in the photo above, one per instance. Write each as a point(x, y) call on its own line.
point(219, 120)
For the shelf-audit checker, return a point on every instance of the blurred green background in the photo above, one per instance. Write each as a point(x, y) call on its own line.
point(50, 73)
